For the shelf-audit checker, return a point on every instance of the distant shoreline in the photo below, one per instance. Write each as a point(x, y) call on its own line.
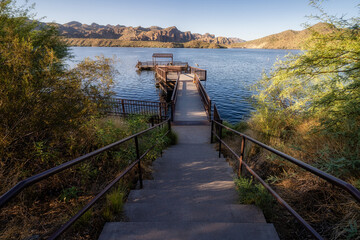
point(94, 42)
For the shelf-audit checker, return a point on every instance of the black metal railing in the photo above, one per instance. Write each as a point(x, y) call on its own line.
point(13, 192)
point(126, 107)
point(216, 130)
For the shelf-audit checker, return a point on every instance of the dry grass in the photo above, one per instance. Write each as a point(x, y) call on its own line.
point(330, 210)
point(44, 207)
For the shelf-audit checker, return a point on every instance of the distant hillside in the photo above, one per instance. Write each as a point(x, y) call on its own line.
point(75, 30)
point(289, 39)
point(95, 35)
point(93, 42)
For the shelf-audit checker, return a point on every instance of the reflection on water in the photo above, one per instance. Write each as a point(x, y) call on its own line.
point(230, 73)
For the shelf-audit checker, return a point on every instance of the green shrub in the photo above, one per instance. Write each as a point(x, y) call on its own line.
point(352, 231)
point(84, 220)
point(114, 204)
point(254, 193)
point(69, 193)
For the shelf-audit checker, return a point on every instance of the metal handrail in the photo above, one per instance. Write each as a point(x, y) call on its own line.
point(72, 220)
point(140, 101)
point(5, 198)
point(125, 107)
point(338, 182)
point(334, 180)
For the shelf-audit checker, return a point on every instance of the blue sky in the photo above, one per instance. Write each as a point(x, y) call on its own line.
point(248, 19)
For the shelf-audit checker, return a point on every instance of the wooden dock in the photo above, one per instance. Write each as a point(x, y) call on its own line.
point(149, 65)
point(169, 61)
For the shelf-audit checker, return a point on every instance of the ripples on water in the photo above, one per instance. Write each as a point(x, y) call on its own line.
point(230, 73)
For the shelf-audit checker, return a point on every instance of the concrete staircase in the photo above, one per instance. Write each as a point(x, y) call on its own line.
point(192, 196)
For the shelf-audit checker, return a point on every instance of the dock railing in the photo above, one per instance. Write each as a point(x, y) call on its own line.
point(152, 64)
point(201, 73)
point(161, 73)
point(22, 185)
point(158, 111)
point(203, 94)
point(216, 130)
point(174, 98)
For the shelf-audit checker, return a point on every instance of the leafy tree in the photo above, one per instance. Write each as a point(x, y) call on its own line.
point(320, 85)
point(41, 101)
point(309, 106)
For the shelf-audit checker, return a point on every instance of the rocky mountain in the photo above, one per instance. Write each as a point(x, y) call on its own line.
point(289, 39)
point(171, 34)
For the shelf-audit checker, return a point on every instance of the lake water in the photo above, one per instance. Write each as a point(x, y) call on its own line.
point(230, 73)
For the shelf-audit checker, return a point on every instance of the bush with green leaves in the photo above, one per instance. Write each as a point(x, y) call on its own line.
point(254, 193)
point(319, 86)
point(308, 106)
point(42, 102)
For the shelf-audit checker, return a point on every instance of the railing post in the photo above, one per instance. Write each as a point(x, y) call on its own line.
point(169, 125)
point(220, 138)
point(242, 154)
point(209, 110)
point(212, 130)
point(160, 110)
point(152, 121)
point(138, 157)
point(172, 110)
point(123, 107)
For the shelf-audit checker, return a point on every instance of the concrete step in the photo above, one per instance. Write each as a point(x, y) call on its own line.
point(189, 184)
point(187, 231)
point(209, 174)
point(181, 160)
point(188, 151)
point(219, 196)
point(173, 212)
point(193, 134)
point(195, 167)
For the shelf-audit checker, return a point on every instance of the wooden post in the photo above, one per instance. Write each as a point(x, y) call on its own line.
point(138, 157)
point(241, 159)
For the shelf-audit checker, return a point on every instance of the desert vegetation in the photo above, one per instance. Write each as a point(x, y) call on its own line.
point(50, 114)
point(308, 107)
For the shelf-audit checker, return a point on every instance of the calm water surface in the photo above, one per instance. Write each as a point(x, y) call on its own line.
point(230, 73)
